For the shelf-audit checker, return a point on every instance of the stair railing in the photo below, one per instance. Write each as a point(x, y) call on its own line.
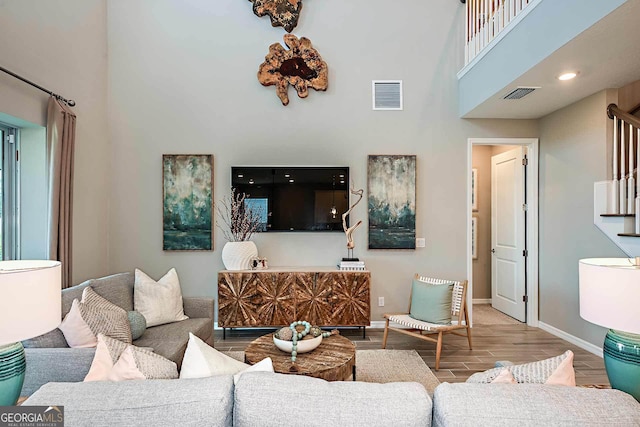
point(485, 19)
point(625, 193)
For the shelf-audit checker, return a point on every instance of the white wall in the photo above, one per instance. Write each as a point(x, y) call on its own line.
point(61, 45)
point(182, 79)
point(572, 157)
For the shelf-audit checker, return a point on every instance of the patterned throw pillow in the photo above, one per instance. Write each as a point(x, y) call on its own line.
point(98, 315)
point(118, 361)
point(555, 370)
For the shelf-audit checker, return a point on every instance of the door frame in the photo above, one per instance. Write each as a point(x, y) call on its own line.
point(532, 145)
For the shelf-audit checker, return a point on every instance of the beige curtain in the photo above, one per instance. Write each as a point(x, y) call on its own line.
point(61, 135)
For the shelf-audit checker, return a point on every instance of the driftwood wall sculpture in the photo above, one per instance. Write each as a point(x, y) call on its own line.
point(301, 67)
point(283, 13)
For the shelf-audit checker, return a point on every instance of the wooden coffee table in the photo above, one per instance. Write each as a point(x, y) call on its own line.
point(333, 360)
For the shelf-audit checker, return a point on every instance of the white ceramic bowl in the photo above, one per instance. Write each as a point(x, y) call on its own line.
point(304, 346)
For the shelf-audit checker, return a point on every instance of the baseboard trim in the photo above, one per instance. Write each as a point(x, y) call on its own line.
point(585, 345)
point(482, 300)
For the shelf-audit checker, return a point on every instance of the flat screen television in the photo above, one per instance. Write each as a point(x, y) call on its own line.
point(295, 198)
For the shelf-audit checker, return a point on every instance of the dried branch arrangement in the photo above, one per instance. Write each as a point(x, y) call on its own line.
point(239, 221)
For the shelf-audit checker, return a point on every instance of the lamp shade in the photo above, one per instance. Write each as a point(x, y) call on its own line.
point(30, 299)
point(610, 293)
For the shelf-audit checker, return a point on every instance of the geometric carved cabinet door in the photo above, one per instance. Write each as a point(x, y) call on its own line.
point(276, 305)
point(349, 300)
point(236, 299)
point(313, 299)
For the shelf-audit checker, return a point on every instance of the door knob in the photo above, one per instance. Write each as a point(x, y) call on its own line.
point(493, 251)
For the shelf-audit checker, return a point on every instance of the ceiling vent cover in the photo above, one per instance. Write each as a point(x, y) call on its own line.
point(520, 92)
point(387, 94)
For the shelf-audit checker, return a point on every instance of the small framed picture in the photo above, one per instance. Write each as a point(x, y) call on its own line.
point(474, 189)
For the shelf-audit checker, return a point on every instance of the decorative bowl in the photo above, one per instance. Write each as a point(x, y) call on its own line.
point(304, 346)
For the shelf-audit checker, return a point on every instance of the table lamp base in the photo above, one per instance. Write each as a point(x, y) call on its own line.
point(12, 368)
point(622, 361)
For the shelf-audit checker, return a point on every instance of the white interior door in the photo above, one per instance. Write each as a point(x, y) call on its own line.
point(508, 233)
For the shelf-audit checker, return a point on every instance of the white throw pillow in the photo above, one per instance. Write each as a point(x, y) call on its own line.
point(75, 329)
point(159, 302)
point(201, 360)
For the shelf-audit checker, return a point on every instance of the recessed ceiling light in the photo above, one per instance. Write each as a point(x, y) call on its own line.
point(240, 175)
point(250, 181)
point(286, 175)
point(568, 76)
point(290, 180)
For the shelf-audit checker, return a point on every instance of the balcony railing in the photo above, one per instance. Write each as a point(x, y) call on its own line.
point(486, 19)
point(625, 194)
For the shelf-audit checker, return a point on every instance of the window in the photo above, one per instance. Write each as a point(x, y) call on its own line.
point(9, 173)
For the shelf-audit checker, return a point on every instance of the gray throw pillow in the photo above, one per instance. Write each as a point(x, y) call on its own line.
point(431, 303)
point(138, 324)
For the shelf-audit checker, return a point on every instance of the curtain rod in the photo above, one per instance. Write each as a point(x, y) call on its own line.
point(69, 102)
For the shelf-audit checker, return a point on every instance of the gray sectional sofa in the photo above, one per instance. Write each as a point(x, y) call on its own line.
point(49, 358)
point(266, 399)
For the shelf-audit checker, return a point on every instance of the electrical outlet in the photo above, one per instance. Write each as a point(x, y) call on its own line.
point(380, 301)
point(420, 242)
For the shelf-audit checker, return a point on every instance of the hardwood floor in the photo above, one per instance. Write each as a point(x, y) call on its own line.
point(516, 343)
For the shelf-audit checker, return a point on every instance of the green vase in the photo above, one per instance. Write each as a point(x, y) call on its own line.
point(622, 361)
point(12, 368)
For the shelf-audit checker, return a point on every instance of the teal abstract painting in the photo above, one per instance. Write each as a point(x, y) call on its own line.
point(187, 182)
point(392, 202)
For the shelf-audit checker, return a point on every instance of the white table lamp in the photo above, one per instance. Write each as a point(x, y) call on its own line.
point(30, 305)
point(610, 297)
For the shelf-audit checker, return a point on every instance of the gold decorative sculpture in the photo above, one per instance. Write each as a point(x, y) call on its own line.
point(301, 67)
point(283, 13)
point(349, 230)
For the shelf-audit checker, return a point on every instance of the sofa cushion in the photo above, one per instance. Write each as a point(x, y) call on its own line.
point(53, 339)
point(469, 404)
point(170, 340)
point(55, 365)
point(117, 288)
point(195, 402)
point(263, 399)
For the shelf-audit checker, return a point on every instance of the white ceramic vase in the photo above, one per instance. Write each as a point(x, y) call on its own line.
point(238, 255)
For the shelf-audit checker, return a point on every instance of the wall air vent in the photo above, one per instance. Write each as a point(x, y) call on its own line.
point(520, 92)
point(387, 94)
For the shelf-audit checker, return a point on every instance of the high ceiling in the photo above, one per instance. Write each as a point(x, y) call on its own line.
point(607, 55)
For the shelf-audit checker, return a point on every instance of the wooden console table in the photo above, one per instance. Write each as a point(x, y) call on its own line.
point(323, 296)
